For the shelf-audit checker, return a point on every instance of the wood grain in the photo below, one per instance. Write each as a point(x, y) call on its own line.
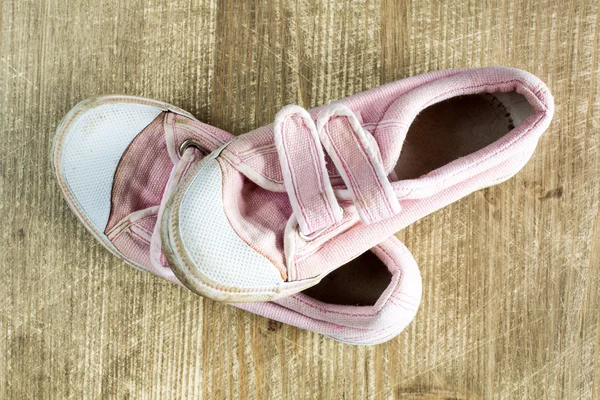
point(511, 274)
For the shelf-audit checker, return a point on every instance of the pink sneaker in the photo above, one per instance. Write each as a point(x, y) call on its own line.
point(275, 210)
point(118, 159)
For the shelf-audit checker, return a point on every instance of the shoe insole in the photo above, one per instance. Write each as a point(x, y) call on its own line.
point(452, 129)
point(358, 283)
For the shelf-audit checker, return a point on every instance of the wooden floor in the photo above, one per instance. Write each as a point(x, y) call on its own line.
point(511, 274)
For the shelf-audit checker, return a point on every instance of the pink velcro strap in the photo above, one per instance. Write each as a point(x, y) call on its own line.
point(304, 172)
point(354, 153)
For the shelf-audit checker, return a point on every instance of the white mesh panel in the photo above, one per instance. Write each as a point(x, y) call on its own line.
point(211, 242)
point(92, 150)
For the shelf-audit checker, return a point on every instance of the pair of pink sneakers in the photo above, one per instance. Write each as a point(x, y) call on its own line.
point(295, 221)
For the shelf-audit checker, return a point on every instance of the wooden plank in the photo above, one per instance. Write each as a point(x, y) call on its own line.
point(511, 273)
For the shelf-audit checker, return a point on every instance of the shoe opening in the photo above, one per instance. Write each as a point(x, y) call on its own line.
point(358, 283)
point(457, 127)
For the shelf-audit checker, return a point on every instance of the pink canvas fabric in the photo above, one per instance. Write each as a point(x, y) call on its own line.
point(149, 169)
point(317, 188)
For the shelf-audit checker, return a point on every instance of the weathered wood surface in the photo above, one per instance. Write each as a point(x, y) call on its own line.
point(511, 274)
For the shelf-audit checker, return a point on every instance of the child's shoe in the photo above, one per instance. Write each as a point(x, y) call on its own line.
point(277, 209)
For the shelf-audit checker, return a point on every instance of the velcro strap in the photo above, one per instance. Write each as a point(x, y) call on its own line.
point(304, 172)
point(352, 150)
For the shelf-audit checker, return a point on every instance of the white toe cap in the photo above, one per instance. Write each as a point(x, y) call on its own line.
point(212, 244)
point(90, 145)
